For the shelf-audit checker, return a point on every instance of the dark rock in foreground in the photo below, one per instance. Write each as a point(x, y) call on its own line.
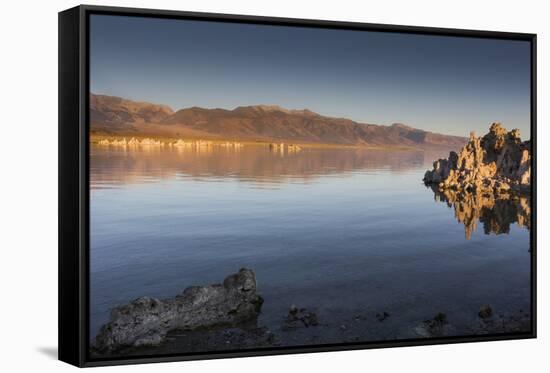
point(504, 324)
point(146, 321)
point(498, 162)
point(436, 327)
point(244, 336)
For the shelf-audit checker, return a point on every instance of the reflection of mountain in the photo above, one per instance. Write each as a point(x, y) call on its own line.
point(255, 163)
point(495, 211)
point(116, 116)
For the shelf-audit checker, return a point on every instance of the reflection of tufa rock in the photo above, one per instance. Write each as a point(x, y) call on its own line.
point(495, 163)
point(496, 211)
point(146, 321)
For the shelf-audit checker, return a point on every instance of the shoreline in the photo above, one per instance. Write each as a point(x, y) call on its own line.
point(361, 328)
point(228, 316)
point(136, 141)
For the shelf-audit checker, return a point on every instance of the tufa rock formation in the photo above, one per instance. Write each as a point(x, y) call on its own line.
point(498, 162)
point(146, 321)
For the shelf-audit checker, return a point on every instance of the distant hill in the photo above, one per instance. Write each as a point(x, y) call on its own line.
point(110, 113)
point(117, 116)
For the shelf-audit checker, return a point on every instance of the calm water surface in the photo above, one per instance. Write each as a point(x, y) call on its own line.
point(342, 232)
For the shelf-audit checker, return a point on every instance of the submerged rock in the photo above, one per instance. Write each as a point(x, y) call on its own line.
point(485, 312)
point(436, 327)
point(382, 316)
point(498, 162)
point(299, 317)
point(492, 323)
point(218, 339)
point(146, 321)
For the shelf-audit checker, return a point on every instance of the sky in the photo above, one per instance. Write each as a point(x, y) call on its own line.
point(443, 84)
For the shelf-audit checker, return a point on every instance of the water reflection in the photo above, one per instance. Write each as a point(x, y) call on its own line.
point(260, 165)
point(495, 212)
point(334, 223)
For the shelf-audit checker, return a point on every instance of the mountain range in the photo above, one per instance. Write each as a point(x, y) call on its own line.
point(116, 116)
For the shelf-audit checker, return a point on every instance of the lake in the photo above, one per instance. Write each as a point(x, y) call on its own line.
point(347, 233)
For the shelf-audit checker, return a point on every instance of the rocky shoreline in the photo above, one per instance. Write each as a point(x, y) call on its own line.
point(224, 317)
point(496, 163)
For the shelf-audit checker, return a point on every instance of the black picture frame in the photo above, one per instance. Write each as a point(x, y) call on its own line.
point(74, 182)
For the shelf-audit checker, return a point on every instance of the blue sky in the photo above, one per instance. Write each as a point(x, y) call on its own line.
point(443, 84)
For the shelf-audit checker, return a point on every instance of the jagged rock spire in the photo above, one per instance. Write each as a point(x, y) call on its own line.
point(495, 163)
